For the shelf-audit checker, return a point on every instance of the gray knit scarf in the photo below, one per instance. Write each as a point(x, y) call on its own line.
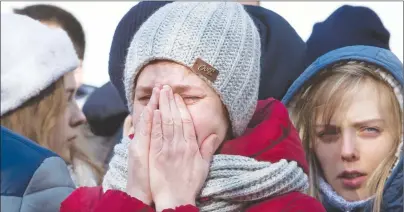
point(233, 181)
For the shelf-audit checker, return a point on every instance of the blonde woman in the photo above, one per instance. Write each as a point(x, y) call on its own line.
point(348, 108)
point(38, 88)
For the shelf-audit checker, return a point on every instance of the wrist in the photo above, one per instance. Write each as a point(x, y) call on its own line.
point(140, 196)
point(172, 201)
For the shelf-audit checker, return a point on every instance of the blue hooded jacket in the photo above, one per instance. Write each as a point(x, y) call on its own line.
point(393, 193)
point(33, 179)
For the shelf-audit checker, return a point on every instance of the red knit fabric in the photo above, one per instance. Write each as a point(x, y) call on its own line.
point(270, 137)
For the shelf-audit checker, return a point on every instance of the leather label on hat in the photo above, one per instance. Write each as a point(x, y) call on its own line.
point(203, 68)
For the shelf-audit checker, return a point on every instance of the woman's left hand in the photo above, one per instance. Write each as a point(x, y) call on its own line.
point(178, 168)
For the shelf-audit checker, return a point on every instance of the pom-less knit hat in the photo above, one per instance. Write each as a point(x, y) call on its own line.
point(33, 56)
point(220, 35)
point(280, 44)
point(347, 26)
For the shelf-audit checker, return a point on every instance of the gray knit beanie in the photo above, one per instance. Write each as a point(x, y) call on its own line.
point(217, 35)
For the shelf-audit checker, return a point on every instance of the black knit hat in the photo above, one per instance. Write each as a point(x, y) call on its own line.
point(124, 33)
point(347, 26)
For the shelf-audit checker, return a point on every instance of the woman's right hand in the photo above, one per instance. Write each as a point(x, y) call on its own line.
point(138, 184)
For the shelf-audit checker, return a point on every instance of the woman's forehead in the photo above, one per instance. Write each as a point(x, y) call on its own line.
point(168, 73)
point(365, 102)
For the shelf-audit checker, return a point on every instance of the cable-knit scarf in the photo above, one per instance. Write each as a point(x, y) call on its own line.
point(232, 183)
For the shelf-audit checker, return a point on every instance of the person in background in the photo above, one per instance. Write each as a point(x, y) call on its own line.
point(37, 105)
point(57, 17)
point(346, 26)
point(348, 108)
point(104, 111)
point(38, 87)
point(32, 178)
point(87, 173)
point(208, 90)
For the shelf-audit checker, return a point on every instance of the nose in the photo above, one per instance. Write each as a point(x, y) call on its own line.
point(349, 151)
point(78, 118)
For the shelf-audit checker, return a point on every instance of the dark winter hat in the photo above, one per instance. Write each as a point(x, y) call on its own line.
point(347, 26)
point(282, 52)
point(124, 33)
point(105, 110)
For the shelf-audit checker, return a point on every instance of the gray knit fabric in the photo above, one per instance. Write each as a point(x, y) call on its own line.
point(233, 181)
point(221, 34)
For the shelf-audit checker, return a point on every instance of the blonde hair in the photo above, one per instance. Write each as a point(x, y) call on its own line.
point(331, 88)
point(36, 119)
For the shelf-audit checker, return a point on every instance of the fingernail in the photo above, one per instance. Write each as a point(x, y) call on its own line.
point(166, 87)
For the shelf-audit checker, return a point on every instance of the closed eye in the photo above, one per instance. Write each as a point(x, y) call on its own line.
point(191, 99)
point(144, 99)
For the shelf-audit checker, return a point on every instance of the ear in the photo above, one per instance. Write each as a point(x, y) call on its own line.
point(128, 127)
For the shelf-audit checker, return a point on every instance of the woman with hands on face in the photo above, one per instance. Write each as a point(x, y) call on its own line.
point(166, 132)
point(202, 141)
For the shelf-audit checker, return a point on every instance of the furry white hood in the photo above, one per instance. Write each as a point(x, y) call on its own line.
point(33, 56)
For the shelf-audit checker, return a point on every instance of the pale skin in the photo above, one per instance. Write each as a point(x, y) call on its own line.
point(67, 125)
point(180, 124)
point(359, 138)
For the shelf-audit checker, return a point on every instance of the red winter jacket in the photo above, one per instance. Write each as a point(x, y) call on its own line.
point(270, 137)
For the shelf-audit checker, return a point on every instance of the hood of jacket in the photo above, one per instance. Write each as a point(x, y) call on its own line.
point(393, 194)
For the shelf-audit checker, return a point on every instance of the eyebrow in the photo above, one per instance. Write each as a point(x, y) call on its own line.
point(355, 124)
point(369, 121)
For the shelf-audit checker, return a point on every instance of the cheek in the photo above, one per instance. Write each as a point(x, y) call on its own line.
point(208, 121)
point(327, 155)
point(62, 125)
point(136, 111)
point(59, 138)
point(372, 155)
